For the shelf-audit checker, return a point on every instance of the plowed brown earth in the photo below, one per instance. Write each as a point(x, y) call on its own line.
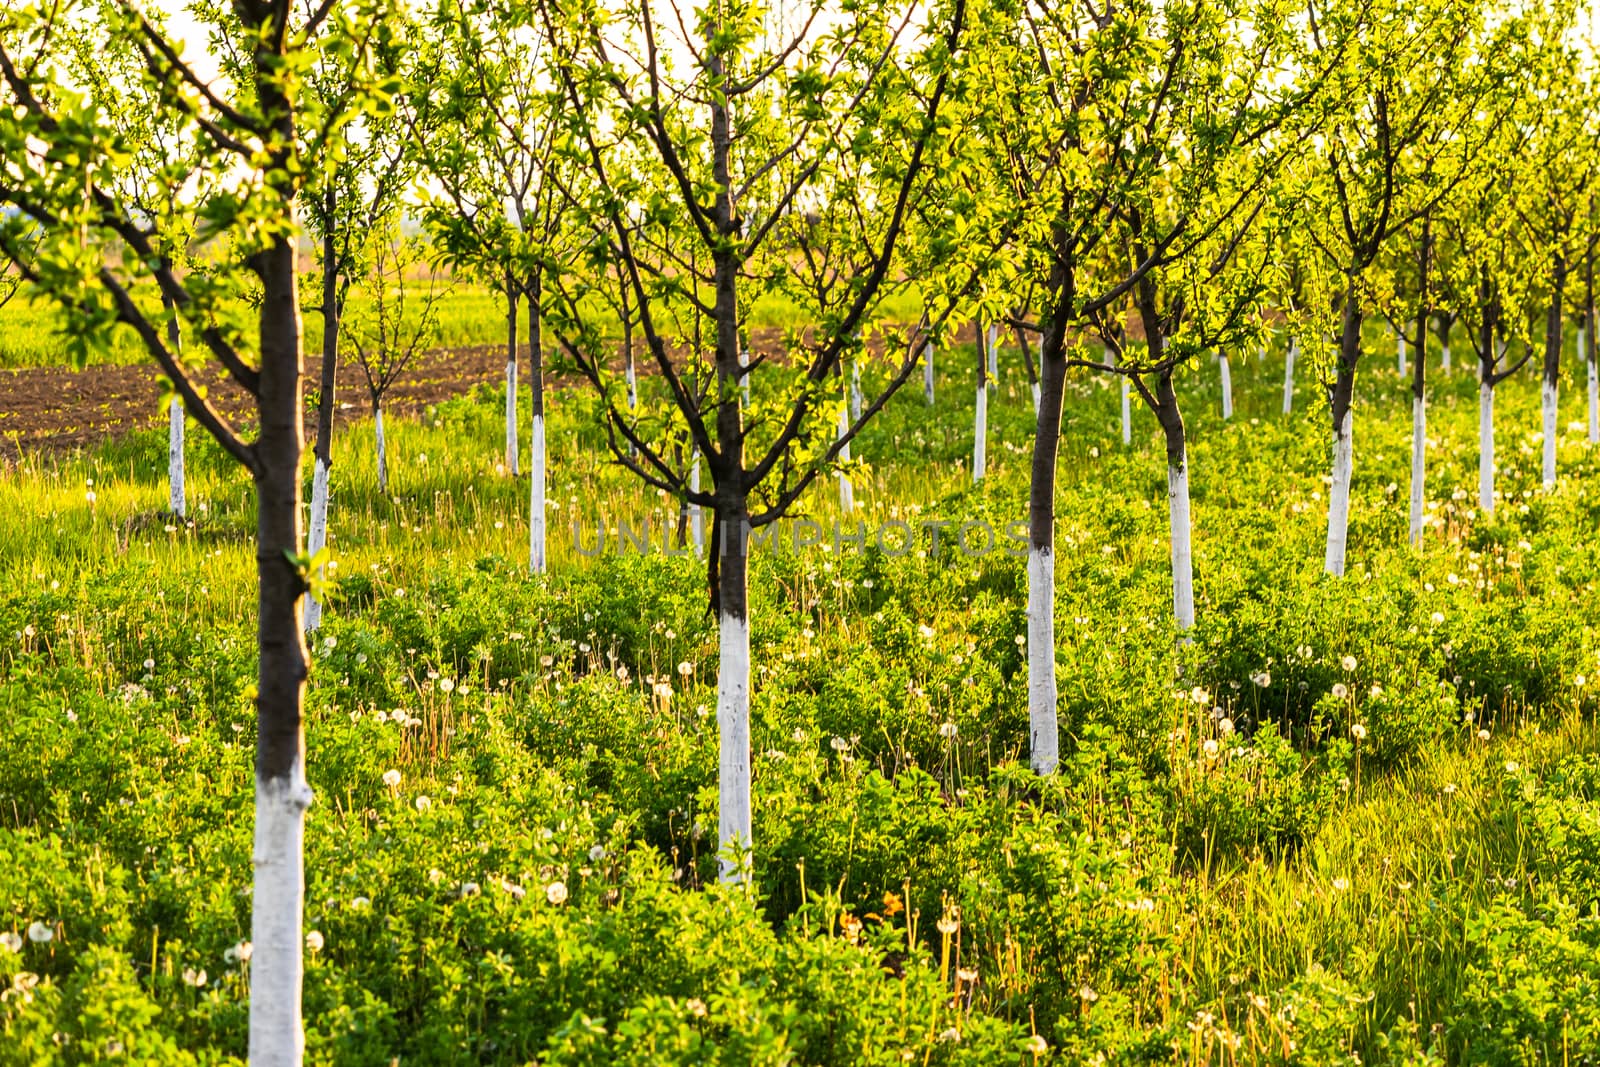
point(56, 409)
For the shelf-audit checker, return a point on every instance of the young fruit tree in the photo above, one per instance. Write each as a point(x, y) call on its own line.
point(1398, 132)
point(1086, 115)
point(71, 231)
point(487, 120)
point(347, 196)
point(397, 320)
point(768, 165)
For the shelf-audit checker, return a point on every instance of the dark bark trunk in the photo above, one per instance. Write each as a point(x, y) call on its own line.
point(1342, 391)
point(281, 686)
point(1419, 358)
point(1552, 321)
point(535, 294)
point(1046, 446)
point(1027, 358)
point(330, 339)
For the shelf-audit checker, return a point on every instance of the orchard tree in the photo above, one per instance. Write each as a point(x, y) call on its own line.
point(486, 116)
point(1398, 134)
point(1558, 173)
point(72, 232)
point(349, 194)
point(748, 140)
point(1088, 116)
point(394, 323)
point(161, 170)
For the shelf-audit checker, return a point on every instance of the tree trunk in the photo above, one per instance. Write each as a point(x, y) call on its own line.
point(1441, 328)
point(980, 420)
point(1343, 458)
point(177, 502)
point(1400, 349)
point(325, 407)
point(1172, 429)
point(855, 389)
point(1552, 366)
point(1027, 362)
point(1586, 335)
point(847, 491)
point(1043, 732)
point(992, 349)
point(1288, 375)
point(536, 459)
point(927, 373)
point(282, 795)
point(1227, 386)
point(1486, 445)
point(382, 445)
point(1419, 388)
point(697, 522)
point(511, 377)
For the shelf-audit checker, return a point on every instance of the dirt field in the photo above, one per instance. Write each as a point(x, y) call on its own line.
point(56, 409)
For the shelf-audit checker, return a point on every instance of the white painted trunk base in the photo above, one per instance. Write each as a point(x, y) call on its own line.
point(1339, 498)
point(1594, 388)
point(1127, 400)
point(176, 489)
point(1419, 453)
point(733, 731)
point(855, 391)
point(697, 515)
point(744, 379)
point(992, 345)
point(1400, 350)
point(1444, 360)
point(1036, 400)
point(277, 1038)
point(1182, 551)
point(632, 375)
point(1044, 736)
point(511, 418)
point(1227, 386)
point(383, 450)
point(1486, 448)
point(847, 490)
point(1288, 375)
point(317, 539)
point(980, 434)
point(927, 373)
point(536, 498)
point(1547, 401)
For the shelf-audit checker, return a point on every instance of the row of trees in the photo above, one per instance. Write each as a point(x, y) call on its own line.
point(1123, 188)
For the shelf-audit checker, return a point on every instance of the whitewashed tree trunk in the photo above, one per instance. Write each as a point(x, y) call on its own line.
point(536, 498)
point(744, 379)
point(1045, 742)
point(1588, 357)
point(1547, 402)
point(176, 489)
point(1182, 550)
point(1339, 497)
point(847, 490)
point(317, 539)
point(1486, 448)
point(383, 450)
point(1036, 400)
point(1288, 375)
point(1127, 401)
point(511, 417)
point(1419, 448)
point(927, 373)
point(980, 433)
point(633, 385)
point(733, 728)
point(1400, 351)
point(855, 390)
point(1227, 385)
point(277, 1038)
point(1444, 360)
point(697, 515)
